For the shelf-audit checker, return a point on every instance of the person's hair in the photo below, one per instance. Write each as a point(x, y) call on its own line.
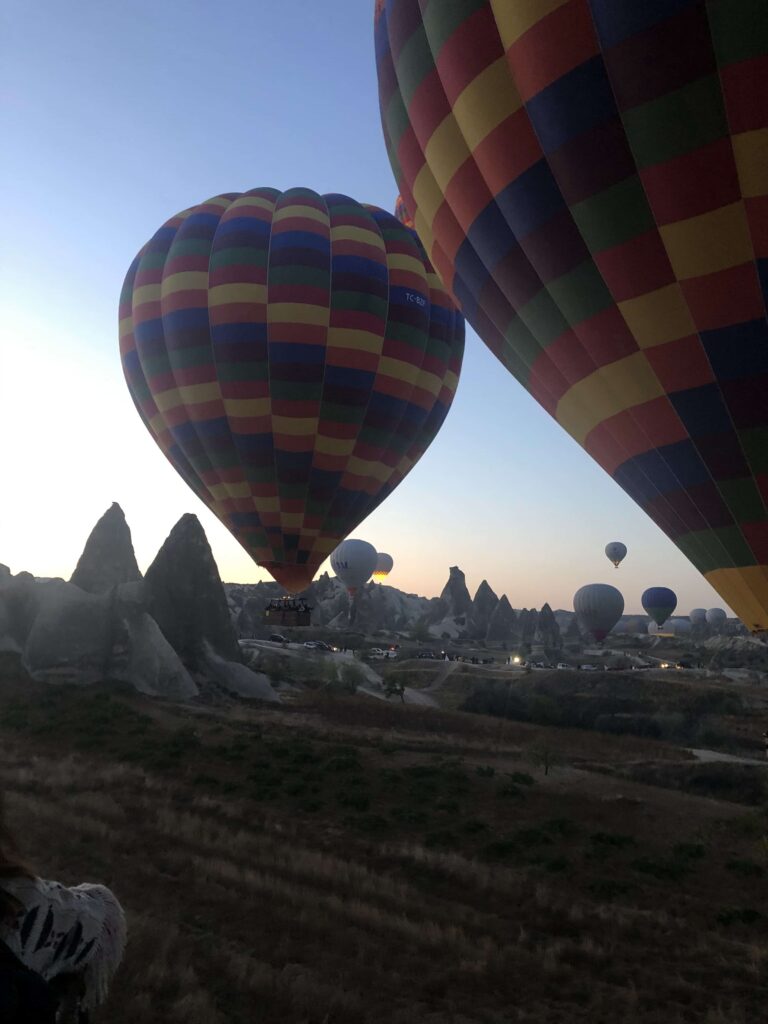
point(12, 865)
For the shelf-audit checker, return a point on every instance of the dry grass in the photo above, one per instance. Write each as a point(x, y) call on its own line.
point(257, 891)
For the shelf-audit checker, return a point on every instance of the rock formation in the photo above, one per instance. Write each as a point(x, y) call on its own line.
point(483, 606)
point(185, 596)
point(501, 627)
point(108, 558)
point(168, 636)
point(547, 629)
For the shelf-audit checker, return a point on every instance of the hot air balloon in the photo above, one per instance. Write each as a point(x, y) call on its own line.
point(354, 561)
point(384, 565)
point(589, 180)
point(659, 603)
point(616, 552)
point(716, 617)
point(598, 608)
point(293, 355)
point(698, 616)
point(402, 214)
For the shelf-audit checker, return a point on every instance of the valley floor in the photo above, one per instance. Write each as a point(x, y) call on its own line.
point(347, 861)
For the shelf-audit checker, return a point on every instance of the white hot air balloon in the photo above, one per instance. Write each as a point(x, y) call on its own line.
point(354, 561)
point(716, 617)
point(698, 616)
point(616, 551)
point(384, 565)
point(598, 608)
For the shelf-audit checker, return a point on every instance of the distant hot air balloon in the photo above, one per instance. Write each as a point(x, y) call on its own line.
point(589, 180)
point(716, 617)
point(354, 561)
point(383, 568)
point(293, 355)
point(402, 214)
point(598, 608)
point(616, 551)
point(659, 603)
point(680, 627)
point(698, 616)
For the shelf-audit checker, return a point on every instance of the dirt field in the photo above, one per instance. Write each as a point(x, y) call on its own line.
point(345, 861)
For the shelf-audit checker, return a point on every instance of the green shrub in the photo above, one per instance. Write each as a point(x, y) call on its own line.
point(746, 868)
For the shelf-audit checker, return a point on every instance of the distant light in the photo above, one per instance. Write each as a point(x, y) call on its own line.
point(515, 660)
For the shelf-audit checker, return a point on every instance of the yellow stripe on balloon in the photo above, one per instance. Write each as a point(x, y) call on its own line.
point(190, 394)
point(186, 281)
point(658, 317)
point(361, 467)
point(401, 261)
point(709, 242)
point(428, 197)
point(291, 520)
point(398, 370)
point(230, 490)
point(446, 151)
point(746, 589)
point(297, 313)
point(246, 408)
point(488, 100)
point(299, 210)
point(295, 426)
point(125, 326)
point(515, 17)
point(352, 338)
point(334, 445)
point(751, 152)
point(240, 292)
point(145, 293)
point(256, 201)
point(349, 233)
point(606, 392)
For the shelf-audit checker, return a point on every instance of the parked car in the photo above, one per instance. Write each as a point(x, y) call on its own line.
point(430, 655)
point(562, 665)
point(278, 638)
point(588, 668)
point(311, 644)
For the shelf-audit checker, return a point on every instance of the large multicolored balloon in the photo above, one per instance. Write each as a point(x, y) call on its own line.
point(598, 607)
point(590, 180)
point(293, 355)
point(659, 603)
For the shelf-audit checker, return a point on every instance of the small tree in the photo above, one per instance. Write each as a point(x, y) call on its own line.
point(392, 687)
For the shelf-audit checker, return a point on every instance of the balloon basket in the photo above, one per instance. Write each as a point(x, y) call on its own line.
point(288, 611)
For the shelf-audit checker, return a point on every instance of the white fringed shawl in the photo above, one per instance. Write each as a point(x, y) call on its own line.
point(63, 930)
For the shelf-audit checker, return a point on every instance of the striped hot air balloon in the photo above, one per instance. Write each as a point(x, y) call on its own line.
point(402, 214)
point(293, 355)
point(590, 180)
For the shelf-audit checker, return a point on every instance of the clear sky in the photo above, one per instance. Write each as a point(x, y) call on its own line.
point(117, 115)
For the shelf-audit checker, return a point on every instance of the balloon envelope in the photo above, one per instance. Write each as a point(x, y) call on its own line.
point(293, 355)
point(589, 181)
point(402, 214)
point(659, 603)
point(716, 617)
point(598, 608)
point(384, 564)
point(698, 616)
point(616, 552)
point(354, 561)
